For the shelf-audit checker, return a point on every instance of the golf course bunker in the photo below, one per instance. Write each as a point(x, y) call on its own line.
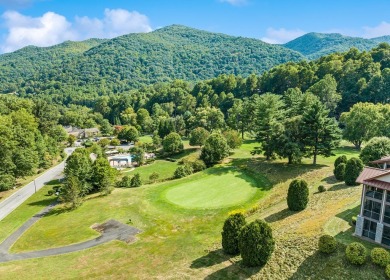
point(220, 190)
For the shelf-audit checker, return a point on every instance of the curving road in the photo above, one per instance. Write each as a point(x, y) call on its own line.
point(16, 199)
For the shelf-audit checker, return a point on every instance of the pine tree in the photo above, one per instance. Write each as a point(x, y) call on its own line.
point(321, 134)
point(268, 128)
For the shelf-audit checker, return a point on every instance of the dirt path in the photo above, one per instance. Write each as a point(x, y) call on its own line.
point(110, 230)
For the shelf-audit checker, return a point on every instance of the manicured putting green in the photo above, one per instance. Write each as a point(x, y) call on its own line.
point(213, 191)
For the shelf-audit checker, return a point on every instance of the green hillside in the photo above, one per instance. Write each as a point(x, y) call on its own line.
point(126, 62)
point(314, 45)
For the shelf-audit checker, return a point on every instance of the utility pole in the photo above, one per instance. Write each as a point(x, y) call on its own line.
point(35, 185)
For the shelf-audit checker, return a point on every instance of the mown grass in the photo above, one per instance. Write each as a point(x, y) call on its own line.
point(182, 243)
point(164, 168)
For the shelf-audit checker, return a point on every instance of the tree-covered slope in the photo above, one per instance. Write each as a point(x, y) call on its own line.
point(314, 45)
point(129, 61)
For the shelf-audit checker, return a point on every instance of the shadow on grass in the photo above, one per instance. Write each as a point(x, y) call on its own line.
point(212, 258)
point(58, 211)
point(184, 153)
point(338, 187)
point(278, 172)
point(279, 215)
point(234, 271)
point(53, 182)
point(335, 266)
point(330, 180)
point(43, 202)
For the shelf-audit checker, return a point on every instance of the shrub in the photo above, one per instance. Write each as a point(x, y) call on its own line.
point(198, 136)
point(172, 143)
point(327, 244)
point(356, 253)
point(183, 171)
point(298, 195)
point(321, 188)
point(256, 243)
point(50, 192)
point(352, 170)
point(230, 233)
point(353, 220)
point(7, 182)
point(339, 172)
point(380, 257)
point(376, 148)
point(136, 181)
point(198, 165)
point(387, 271)
point(125, 182)
point(154, 177)
point(233, 139)
point(340, 159)
point(215, 149)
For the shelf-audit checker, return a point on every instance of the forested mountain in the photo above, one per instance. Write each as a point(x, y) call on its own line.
point(314, 45)
point(126, 62)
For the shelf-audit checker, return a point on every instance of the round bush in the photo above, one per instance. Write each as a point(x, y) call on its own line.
point(387, 271)
point(376, 148)
point(340, 159)
point(352, 170)
point(298, 195)
point(183, 171)
point(125, 182)
point(136, 182)
point(231, 230)
point(256, 243)
point(7, 182)
point(380, 257)
point(327, 244)
point(356, 253)
point(339, 172)
point(321, 188)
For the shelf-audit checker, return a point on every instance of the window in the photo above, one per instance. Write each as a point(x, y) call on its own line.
point(372, 209)
point(369, 229)
point(374, 192)
point(388, 196)
point(386, 236)
point(386, 217)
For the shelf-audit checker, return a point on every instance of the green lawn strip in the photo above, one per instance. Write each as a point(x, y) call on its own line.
point(215, 189)
point(164, 168)
point(29, 208)
point(145, 139)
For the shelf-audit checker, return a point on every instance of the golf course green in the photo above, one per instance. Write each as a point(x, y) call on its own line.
point(225, 189)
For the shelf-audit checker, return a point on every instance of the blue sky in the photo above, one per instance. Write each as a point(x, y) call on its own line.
point(49, 22)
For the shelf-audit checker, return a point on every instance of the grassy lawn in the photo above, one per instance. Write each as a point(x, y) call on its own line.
point(207, 191)
point(164, 168)
point(181, 235)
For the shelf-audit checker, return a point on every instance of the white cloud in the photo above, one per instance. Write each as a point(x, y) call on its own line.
point(52, 28)
point(381, 29)
point(115, 23)
point(46, 30)
point(235, 2)
point(281, 35)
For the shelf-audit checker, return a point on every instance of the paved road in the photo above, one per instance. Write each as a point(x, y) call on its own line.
point(110, 230)
point(16, 199)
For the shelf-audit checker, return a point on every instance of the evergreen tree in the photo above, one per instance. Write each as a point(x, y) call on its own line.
point(320, 133)
point(268, 128)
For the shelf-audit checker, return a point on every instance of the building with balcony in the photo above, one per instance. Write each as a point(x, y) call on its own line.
point(373, 221)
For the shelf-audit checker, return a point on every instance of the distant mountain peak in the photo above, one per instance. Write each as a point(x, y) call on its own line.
point(314, 45)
